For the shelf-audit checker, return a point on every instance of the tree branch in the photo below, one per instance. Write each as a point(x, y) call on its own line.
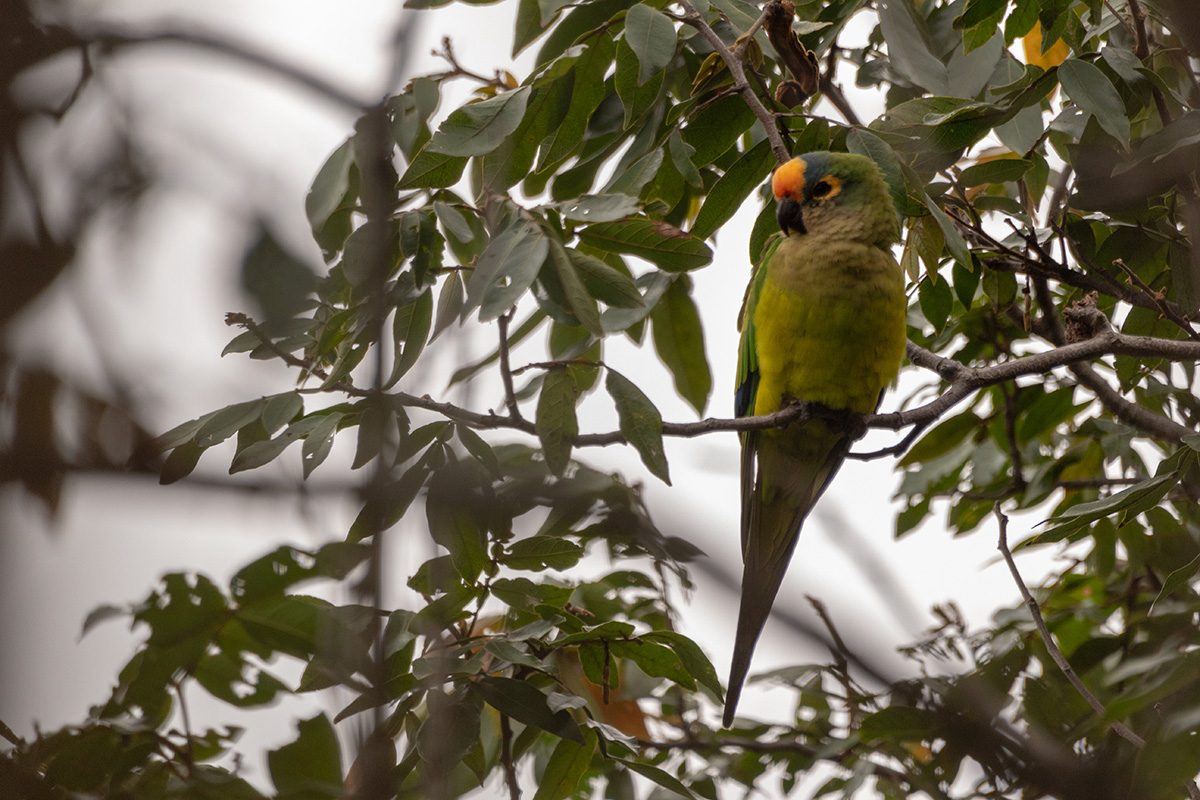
point(1065, 666)
point(778, 146)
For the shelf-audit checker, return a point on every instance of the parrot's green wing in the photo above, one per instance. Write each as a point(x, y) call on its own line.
point(747, 377)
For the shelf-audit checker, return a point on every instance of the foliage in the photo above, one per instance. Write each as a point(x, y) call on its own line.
point(1043, 195)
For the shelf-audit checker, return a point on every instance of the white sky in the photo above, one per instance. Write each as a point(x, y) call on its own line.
point(238, 142)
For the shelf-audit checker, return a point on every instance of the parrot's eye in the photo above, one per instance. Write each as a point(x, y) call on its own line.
point(822, 190)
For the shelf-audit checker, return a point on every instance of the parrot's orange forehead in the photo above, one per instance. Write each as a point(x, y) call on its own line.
point(789, 179)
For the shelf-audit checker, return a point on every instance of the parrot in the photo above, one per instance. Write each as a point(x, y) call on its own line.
point(823, 321)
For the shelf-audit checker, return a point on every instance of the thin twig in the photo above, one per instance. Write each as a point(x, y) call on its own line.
point(506, 374)
point(510, 769)
point(1010, 433)
point(841, 659)
point(1159, 298)
point(744, 40)
point(188, 755)
point(693, 18)
point(1065, 666)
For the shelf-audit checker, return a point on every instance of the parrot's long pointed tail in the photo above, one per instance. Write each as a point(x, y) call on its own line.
point(795, 476)
point(759, 587)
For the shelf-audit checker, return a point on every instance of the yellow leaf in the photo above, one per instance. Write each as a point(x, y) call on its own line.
point(1054, 55)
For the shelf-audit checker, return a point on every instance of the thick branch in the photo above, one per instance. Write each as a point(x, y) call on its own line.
point(778, 147)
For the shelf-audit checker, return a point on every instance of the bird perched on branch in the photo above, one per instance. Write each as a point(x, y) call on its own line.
point(823, 322)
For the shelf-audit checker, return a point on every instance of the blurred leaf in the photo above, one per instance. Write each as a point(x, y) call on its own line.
point(279, 282)
point(329, 188)
point(410, 328)
point(568, 764)
point(695, 663)
point(542, 552)
point(663, 779)
point(310, 766)
point(556, 423)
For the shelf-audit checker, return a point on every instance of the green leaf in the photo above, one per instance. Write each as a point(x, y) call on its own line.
point(450, 303)
point(179, 463)
point(432, 170)
point(101, 613)
point(227, 421)
point(651, 36)
point(1129, 502)
point(663, 244)
point(260, 453)
point(278, 281)
point(477, 129)
point(954, 240)
point(480, 450)
point(525, 704)
point(714, 128)
point(1177, 580)
point(556, 423)
point(694, 661)
point(319, 441)
point(636, 97)
point(655, 660)
point(1000, 170)
point(601, 207)
point(679, 341)
point(454, 523)
point(399, 496)
point(448, 733)
point(663, 779)
point(581, 303)
point(732, 189)
point(936, 301)
point(641, 423)
point(866, 143)
point(506, 269)
point(537, 553)
point(606, 283)
point(410, 327)
point(282, 409)
point(311, 766)
point(453, 221)
point(587, 92)
point(1089, 88)
point(568, 764)
point(910, 47)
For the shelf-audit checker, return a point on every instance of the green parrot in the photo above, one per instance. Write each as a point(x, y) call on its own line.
point(823, 321)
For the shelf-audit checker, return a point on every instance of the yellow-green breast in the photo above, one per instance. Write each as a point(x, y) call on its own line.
point(830, 324)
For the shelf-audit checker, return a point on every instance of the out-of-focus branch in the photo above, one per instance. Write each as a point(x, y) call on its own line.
point(112, 40)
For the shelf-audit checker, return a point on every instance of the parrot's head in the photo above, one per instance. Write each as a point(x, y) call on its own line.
point(840, 194)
